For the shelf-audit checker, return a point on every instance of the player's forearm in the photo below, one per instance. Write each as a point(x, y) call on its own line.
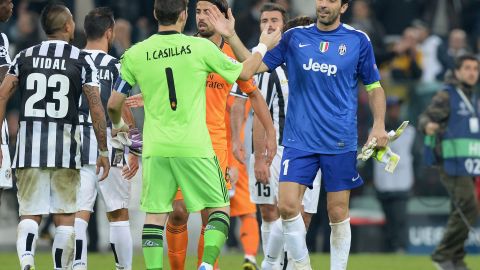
point(3, 72)
point(237, 115)
point(114, 107)
point(97, 112)
point(250, 66)
point(261, 111)
point(127, 116)
point(240, 51)
point(377, 101)
point(258, 138)
point(7, 88)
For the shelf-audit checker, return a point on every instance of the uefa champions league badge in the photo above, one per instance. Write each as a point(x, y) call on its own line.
point(342, 49)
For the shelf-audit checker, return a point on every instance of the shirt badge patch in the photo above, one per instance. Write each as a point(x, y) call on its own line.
point(342, 49)
point(324, 46)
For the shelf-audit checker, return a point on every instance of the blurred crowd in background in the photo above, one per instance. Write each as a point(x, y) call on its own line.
point(415, 43)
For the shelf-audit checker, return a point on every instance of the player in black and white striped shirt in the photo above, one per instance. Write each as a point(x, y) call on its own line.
point(115, 190)
point(6, 10)
point(51, 77)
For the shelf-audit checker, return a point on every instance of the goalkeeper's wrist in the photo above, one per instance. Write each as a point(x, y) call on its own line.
point(118, 125)
point(261, 49)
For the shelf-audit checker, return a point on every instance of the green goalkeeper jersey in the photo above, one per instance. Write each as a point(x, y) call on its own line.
point(171, 70)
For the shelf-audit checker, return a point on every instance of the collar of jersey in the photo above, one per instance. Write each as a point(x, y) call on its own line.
point(167, 32)
point(93, 51)
point(55, 41)
point(331, 31)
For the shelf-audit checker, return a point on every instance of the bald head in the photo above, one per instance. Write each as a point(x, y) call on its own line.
point(54, 18)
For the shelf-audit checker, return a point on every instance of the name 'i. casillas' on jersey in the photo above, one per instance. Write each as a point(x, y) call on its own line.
point(168, 52)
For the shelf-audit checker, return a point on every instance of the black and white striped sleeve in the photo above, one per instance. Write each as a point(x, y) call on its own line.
point(89, 70)
point(4, 55)
point(13, 69)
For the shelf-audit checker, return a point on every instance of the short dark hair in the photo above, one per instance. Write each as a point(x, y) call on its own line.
point(222, 5)
point(466, 57)
point(168, 11)
point(298, 21)
point(50, 18)
point(97, 22)
point(345, 2)
point(275, 7)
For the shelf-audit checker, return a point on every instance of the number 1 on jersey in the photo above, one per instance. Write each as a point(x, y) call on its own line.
point(171, 89)
point(285, 166)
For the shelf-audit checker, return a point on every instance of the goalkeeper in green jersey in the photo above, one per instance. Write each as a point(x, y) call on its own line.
point(171, 70)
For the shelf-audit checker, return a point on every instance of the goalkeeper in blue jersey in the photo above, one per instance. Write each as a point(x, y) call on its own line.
point(324, 62)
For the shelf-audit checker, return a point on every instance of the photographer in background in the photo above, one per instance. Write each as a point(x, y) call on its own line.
point(451, 123)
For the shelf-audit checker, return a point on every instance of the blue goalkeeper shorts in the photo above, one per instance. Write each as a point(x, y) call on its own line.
point(339, 171)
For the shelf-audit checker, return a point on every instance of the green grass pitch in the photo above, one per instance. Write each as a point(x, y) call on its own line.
point(104, 261)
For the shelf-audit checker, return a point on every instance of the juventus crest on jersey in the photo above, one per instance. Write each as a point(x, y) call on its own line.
point(108, 68)
point(51, 76)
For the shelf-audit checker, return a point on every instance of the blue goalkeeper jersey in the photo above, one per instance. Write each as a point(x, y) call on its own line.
point(324, 68)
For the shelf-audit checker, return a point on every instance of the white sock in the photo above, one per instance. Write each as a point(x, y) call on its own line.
point(121, 243)
point(340, 239)
point(206, 266)
point(27, 234)
point(265, 231)
point(63, 247)
point(80, 258)
point(274, 249)
point(294, 234)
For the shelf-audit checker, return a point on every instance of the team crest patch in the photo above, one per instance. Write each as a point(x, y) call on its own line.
point(324, 46)
point(342, 49)
point(3, 51)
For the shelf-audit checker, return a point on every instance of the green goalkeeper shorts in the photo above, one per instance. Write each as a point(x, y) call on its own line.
point(200, 180)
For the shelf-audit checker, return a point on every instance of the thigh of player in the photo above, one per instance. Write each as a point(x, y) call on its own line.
point(64, 187)
point(115, 190)
point(201, 181)
point(339, 171)
point(87, 193)
point(159, 185)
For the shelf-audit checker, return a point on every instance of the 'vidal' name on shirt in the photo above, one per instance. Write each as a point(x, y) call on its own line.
point(49, 63)
point(168, 52)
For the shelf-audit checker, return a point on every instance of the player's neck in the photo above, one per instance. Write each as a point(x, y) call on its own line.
point(216, 39)
point(330, 27)
point(99, 44)
point(165, 28)
point(59, 36)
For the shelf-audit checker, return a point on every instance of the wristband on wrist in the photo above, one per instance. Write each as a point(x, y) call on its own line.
point(119, 124)
point(261, 49)
point(103, 153)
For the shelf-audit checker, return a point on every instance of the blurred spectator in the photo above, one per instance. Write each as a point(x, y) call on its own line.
point(304, 8)
point(444, 15)
point(407, 62)
point(28, 30)
point(247, 24)
point(398, 14)
point(456, 46)
point(123, 38)
point(429, 44)
point(393, 190)
point(363, 19)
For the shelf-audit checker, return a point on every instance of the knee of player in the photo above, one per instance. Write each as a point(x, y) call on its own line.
point(288, 210)
point(337, 213)
point(269, 212)
point(179, 216)
point(118, 215)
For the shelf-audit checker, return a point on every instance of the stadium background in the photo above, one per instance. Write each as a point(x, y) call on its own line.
point(415, 42)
